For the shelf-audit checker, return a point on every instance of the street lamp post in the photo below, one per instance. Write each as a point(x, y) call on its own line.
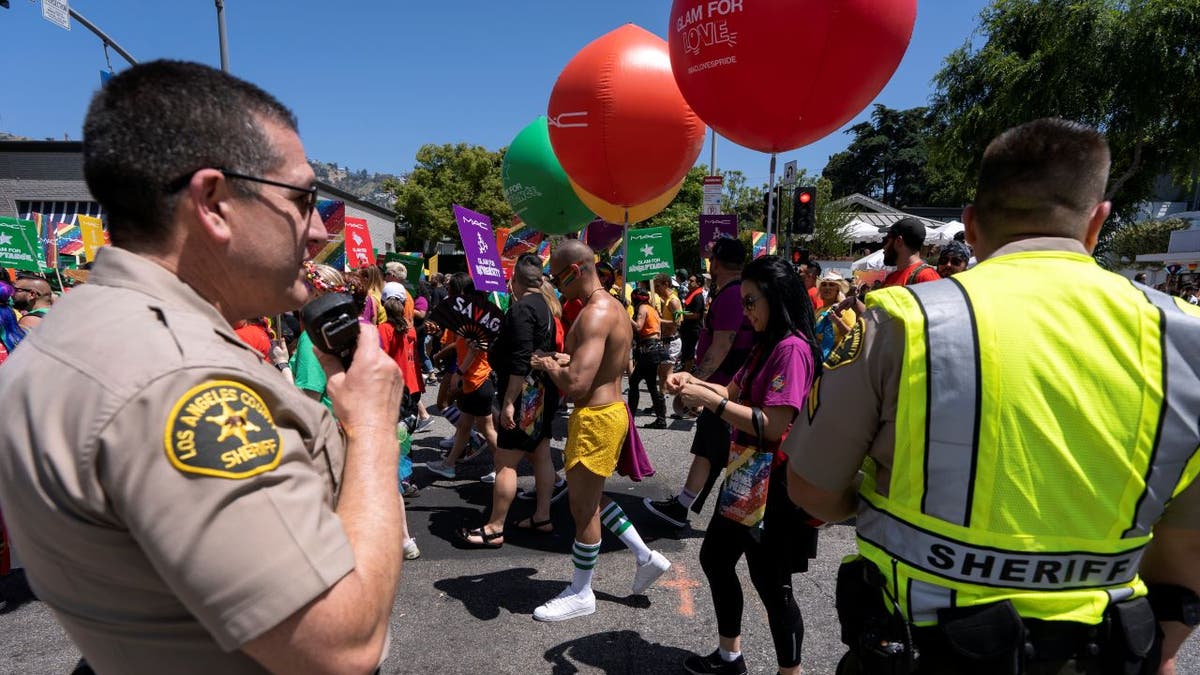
point(221, 35)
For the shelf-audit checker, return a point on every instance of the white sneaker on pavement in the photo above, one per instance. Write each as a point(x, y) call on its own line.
point(567, 605)
point(649, 572)
point(411, 552)
point(488, 478)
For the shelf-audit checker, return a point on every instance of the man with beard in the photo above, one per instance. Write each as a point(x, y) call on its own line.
point(32, 297)
point(902, 250)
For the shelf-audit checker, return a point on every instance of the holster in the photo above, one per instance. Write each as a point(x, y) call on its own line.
point(879, 638)
point(989, 639)
point(1134, 646)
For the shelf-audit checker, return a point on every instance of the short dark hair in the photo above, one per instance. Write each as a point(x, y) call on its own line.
point(729, 252)
point(528, 271)
point(1044, 176)
point(159, 122)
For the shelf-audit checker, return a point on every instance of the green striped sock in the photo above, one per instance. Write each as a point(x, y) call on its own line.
point(618, 523)
point(584, 557)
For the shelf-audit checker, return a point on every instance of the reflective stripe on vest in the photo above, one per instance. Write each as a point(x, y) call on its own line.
point(952, 420)
point(1179, 422)
point(993, 567)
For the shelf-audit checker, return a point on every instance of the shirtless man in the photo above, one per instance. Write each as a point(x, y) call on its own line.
point(589, 373)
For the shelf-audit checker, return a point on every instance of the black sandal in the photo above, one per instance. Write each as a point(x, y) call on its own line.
point(487, 540)
point(534, 526)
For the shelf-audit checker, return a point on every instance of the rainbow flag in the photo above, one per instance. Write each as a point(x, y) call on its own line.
point(760, 246)
point(333, 253)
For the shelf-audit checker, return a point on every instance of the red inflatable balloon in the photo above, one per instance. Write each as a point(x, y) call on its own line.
point(774, 75)
point(618, 124)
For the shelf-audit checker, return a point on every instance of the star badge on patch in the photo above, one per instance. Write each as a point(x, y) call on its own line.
point(222, 428)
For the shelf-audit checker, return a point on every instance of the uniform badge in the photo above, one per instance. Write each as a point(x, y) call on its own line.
point(222, 428)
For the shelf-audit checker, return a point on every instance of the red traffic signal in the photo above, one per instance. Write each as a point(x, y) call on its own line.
point(804, 217)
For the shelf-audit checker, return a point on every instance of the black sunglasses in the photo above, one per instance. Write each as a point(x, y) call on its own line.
point(748, 301)
point(952, 261)
point(306, 207)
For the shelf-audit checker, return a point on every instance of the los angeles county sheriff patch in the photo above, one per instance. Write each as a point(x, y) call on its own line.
point(222, 428)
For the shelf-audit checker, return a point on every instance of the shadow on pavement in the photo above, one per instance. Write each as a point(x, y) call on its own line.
point(613, 652)
point(514, 590)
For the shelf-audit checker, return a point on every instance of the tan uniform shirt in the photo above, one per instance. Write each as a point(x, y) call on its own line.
point(852, 407)
point(171, 494)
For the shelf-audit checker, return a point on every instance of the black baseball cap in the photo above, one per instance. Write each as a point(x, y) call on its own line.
point(911, 230)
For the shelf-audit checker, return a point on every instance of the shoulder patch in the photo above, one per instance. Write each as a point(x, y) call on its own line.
point(849, 349)
point(222, 428)
point(778, 383)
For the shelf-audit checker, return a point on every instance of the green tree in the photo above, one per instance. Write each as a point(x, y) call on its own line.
point(1149, 236)
point(1126, 67)
point(444, 175)
point(742, 200)
point(888, 161)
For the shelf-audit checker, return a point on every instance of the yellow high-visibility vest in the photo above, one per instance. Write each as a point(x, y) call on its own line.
point(1047, 412)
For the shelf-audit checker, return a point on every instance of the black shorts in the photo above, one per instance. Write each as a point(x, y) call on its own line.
point(712, 439)
point(516, 439)
point(478, 402)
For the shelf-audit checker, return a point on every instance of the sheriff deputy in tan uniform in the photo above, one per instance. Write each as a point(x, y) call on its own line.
point(180, 506)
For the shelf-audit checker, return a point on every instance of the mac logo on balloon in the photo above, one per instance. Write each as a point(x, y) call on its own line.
point(557, 120)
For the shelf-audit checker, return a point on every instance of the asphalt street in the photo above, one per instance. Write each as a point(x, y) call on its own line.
point(470, 611)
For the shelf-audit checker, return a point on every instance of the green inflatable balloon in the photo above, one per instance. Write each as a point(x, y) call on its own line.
point(536, 186)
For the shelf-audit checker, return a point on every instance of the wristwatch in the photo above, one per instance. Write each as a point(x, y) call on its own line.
point(282, 365)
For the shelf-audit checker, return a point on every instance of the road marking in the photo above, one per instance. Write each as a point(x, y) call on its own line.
point(684, 584)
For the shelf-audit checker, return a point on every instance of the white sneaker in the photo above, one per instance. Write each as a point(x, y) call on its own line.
point(411, 552)
point(441, 468)
point(567, 605)
point(650, 571)
point(488, 478)
point(424, 424)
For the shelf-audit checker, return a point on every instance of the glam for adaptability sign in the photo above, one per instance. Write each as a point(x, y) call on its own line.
point(650, 253)
point(20, 247)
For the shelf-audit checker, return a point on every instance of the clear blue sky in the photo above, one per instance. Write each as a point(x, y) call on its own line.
point(373, 80)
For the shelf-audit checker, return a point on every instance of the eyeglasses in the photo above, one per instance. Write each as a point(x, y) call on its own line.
point(307, 203)
point(952, 260)
point(748, 301)
point(565, 276)
point(310, 193)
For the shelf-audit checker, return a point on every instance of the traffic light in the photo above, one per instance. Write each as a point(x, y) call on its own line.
point(774, 214)
point(804, 210)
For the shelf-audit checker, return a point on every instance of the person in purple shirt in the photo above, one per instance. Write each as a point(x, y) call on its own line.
point(754, 516)
point(725, 340)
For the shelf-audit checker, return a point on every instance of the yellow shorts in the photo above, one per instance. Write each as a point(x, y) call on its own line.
point(595, 436)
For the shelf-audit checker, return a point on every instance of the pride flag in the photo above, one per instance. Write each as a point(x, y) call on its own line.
point(760, 245)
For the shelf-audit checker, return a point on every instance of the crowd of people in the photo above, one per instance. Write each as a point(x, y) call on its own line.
point(958, 436)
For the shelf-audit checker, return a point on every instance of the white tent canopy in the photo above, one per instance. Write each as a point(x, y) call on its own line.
point(860, 233)
point(944, 234)
point(870, 262)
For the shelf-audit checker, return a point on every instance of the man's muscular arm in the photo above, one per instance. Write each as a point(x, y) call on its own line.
point(575, 377)
point(721, 344)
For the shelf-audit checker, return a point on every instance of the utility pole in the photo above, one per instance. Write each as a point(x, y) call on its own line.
point(221, 35)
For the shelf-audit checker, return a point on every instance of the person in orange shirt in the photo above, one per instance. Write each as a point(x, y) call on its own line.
point(648, 352)
point(474, 400)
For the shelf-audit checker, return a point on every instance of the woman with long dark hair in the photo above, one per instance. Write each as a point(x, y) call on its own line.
point(754, 516)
